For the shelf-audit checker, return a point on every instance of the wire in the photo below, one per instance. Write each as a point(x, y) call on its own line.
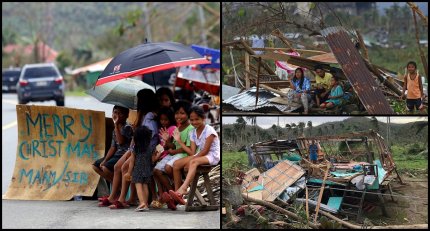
point(370, 192)
point(236, 78)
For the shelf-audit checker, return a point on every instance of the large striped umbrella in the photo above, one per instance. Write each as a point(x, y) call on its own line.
point(147, 58)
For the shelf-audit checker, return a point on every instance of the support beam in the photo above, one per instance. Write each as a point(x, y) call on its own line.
point(247, 83)
point(251, 52)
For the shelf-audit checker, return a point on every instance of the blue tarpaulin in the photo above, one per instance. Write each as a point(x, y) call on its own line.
point(212, 53)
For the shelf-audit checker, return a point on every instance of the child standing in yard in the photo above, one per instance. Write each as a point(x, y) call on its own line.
point(335, 96)
point(205, 149)
point(412, 82)
point(140, 164)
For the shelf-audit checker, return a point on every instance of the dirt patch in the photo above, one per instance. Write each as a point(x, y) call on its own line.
point(404, 210)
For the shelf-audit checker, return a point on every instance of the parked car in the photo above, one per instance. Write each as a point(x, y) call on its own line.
point(40, 82)
point(10, 78)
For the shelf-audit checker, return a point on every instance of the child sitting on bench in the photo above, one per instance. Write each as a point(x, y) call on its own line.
point(205, 149)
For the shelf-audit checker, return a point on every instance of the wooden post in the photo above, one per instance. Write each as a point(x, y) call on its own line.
point(321, 193)
point(251, 52)
point(423, 57)
point(247, 83)
point(258, 80)
point(307, 205)
point(418, 11)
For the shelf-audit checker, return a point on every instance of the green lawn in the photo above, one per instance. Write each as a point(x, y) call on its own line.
point(404, 160)
point(233, 158)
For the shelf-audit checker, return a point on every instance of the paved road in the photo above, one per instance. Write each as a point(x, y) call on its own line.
point(79, 214)
point(86, 214)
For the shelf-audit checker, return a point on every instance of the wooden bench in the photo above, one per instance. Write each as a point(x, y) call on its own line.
point(202, 170)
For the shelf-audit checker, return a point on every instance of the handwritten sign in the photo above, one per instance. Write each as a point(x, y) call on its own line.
point(56, 147)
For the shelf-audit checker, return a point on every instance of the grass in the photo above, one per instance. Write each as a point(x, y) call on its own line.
point(404, 160)
point(229, 159)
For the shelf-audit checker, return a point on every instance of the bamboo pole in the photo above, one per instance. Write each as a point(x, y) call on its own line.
point(321, 192)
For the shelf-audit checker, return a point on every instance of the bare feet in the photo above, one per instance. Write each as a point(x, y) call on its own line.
point(182, 191)
point(142, 207)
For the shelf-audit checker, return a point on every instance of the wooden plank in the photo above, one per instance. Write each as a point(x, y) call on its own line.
point(251, 52)
point(307, 205)
point(247, 83)
point(207, 183)
point(202, 208)
point(321, 192)
point(327, 58)
point(258, 81)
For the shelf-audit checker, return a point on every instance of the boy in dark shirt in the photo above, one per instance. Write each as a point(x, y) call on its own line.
point(121, 138)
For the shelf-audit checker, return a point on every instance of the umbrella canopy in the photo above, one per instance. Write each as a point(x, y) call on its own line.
point(190, 78)
point(212, 54)
point(148, 58)
point(122, 92)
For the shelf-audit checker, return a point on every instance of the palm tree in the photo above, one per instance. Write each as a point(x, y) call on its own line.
point(301, 128)
point(241, 126)
point(332, 128)
point(326, 129)
point(320, 130)
point(294, 127)
point(310, 127)
point(228, 133)
point(374, 123)
point(253, 122)
point(288, 127)
point(274, 127)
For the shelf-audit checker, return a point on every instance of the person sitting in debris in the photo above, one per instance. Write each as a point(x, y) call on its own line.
point(323, 85)
point(412, 82)
point(336, 94)
point(301, 86)
point(313, 152)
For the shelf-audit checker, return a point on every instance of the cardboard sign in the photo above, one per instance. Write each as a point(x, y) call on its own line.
point(56, 148)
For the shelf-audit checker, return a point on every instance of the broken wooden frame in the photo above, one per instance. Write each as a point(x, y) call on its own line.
point(370, 92)
point(367, 139)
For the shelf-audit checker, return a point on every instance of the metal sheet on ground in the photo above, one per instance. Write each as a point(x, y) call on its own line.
point(277, 179)
point(56, 147)
point(356, 71)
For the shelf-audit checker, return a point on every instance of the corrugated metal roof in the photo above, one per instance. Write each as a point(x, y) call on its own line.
point(245, 101)
point(356, 71)
point(229, 91)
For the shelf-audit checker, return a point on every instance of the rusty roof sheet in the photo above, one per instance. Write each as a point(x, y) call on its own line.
point(356, 71)
point(245, 101)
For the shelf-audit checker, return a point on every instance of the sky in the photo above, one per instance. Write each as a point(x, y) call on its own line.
point(268, 121)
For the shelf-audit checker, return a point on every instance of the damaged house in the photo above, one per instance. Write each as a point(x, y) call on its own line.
point(351, 174)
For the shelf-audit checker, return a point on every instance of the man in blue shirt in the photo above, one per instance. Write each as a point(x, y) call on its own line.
point(313, 152)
